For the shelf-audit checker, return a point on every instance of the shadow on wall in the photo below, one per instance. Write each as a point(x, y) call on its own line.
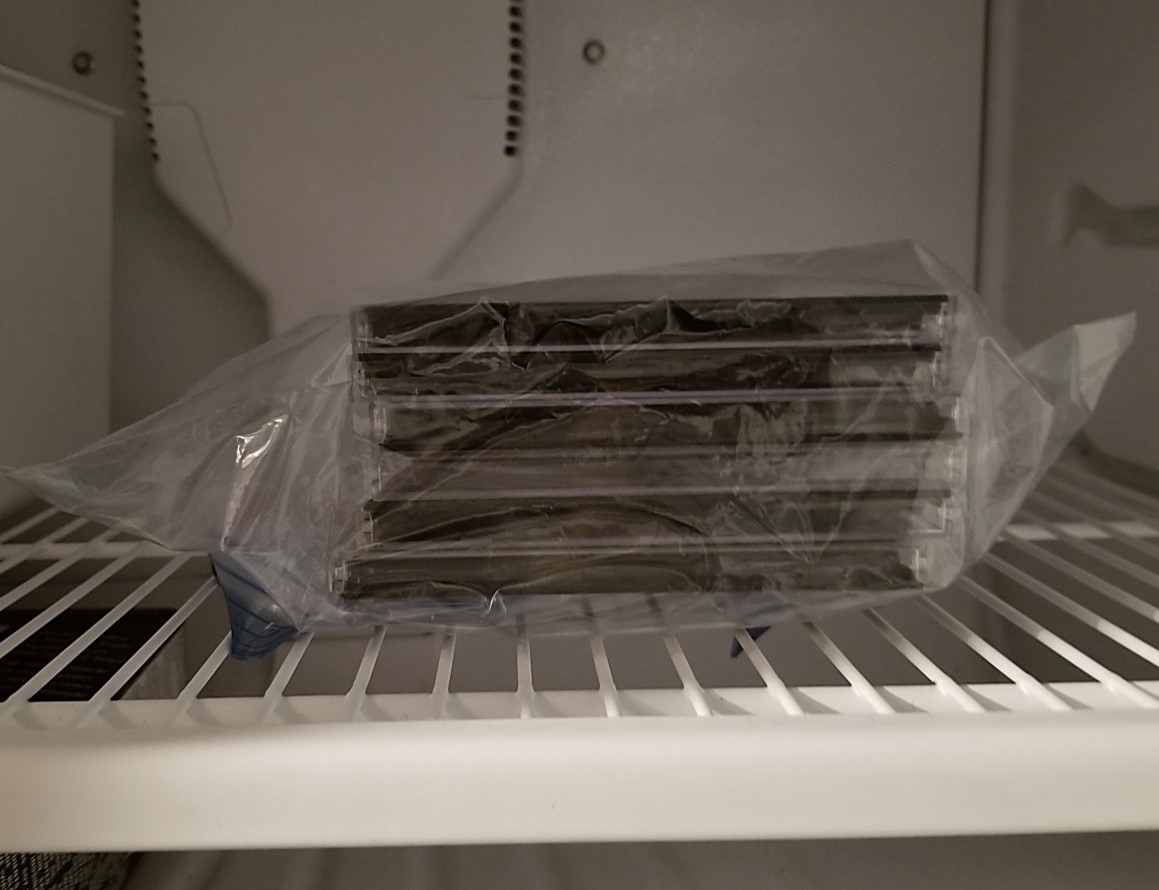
point(179, 308)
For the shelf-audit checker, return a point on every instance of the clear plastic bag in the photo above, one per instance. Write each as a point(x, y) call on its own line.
point(729, 442)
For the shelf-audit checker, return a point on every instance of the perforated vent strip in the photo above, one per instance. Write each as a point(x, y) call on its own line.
point(142, 86)
point(516, 69)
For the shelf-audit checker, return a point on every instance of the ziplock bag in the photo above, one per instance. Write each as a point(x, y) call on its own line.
point(730, 442)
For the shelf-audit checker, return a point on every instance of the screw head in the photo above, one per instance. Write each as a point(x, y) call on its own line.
point(594, 52)
point(83, 63)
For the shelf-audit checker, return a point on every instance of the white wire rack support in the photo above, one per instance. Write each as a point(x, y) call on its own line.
point(610, 761)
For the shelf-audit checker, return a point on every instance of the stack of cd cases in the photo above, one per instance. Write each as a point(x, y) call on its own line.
point(573, 455)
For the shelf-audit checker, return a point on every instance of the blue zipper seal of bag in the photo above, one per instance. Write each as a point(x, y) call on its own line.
point(257, 624)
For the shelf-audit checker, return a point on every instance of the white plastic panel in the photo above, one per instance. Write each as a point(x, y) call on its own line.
point(1079, 81)
point(166, 275)
point(329, 148)
point(1024, 699)
point(325, 146)
point(56, 178)
point(741, 127)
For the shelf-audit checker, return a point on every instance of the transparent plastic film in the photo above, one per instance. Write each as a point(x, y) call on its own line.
point(728, 442)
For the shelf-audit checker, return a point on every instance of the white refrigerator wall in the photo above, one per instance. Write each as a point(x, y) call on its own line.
point(178, 308)
point(1082, 84)
point(55, 255)
point(536, 138)
point(837, 123)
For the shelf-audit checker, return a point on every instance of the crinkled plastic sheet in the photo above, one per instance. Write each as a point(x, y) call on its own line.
point(728, 442)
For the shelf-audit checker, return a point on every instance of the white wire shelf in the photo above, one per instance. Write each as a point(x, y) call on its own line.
point(1023, 699)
